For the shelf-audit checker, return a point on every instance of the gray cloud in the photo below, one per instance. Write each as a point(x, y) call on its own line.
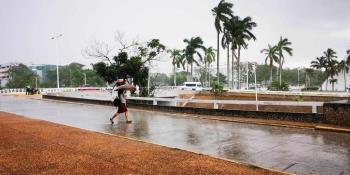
point(27, 26)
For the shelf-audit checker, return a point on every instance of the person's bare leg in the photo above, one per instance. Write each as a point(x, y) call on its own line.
point(114, 116)
point(126, 117)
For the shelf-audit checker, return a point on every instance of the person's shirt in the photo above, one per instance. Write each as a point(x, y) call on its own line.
point(122, 98)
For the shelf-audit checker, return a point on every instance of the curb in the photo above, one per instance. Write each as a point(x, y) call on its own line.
point(326, 128)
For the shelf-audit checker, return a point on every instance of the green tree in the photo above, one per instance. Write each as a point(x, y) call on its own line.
point(240, 33)
point(344, 66)
point(271, 56)
point(72, 75)
point(222, 13)
point(282, 46)
point(308, 74)
point(331, 65)
point(209, 57)
point(181, 77)
point(192, 49)
point(176, 56)
point(132, 67)
point(21, 76)
point(320, 64)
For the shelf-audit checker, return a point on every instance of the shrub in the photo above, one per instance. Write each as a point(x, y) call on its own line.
point(217, 88)
point(275, 86)
point(310, 89)
point(298, 98)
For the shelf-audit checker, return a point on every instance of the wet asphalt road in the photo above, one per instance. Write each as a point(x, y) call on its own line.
point(301, 151)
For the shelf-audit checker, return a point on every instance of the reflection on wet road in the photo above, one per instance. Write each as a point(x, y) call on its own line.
point(302, 151)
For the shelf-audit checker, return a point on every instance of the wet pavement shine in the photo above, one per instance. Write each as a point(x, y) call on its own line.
point(301, 151)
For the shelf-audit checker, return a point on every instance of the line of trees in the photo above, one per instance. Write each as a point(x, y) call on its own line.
point(71, 75)
point(329, 64)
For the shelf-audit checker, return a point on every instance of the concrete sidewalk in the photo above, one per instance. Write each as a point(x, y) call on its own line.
point(29, 146)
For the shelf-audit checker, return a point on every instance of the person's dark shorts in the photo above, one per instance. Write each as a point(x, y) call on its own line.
point(122, 108)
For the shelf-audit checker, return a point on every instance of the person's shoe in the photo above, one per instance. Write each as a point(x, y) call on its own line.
point(110, 119)
point(129, 121)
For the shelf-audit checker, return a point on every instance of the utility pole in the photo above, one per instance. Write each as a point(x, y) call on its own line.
point(58, 59)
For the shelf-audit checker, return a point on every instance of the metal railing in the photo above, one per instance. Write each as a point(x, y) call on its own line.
point(42, 90)
point(216, 103)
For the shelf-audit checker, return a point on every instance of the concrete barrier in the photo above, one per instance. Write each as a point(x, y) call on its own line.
point(337, 113)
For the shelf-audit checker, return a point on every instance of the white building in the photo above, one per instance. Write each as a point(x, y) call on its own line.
point(339, 85)
point(4, 74)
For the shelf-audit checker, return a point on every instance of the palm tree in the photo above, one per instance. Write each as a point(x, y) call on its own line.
point(222, 12)
point(241, 34)
point(333, 69)
point(191, 49)
point(319, 64)
point(344, 66)
point(209, 57)
point(308, 75)
point(176, 60)
point(271, 56)
point(225, 42)
point(330, 65)
point(282, 45)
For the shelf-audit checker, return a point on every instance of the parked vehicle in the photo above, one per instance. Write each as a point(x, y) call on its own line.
point(194, 86)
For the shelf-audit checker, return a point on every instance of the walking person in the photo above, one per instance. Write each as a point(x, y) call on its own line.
point(122, 108)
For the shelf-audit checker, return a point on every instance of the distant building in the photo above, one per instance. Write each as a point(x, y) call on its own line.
point(4, 73)
point(41, 70)
point(340, 84)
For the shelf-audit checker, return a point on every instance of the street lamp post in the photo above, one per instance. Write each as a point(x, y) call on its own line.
point(57, 69)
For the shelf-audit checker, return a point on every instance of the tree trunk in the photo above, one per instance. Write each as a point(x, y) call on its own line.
point(345, 79)
point(218, 57)
point(174, 75)
point(271, 67)
point(280, 73)
point(191, 77)
point(228, 64)
point(239, 68)
point(332, 83)
point(209, 75)
point(233, 79)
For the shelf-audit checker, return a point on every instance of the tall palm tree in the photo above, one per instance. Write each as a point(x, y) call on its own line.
point(333, 70)
point(209, 57)
point(320, 64)
point(330, 65)
point(225, 42)
point(192, 49)
point(344, 66)
point(176, 60)
point(282, 46)
point(308, 75)
point(222, 12)
point(241, 34)
point(271, 56)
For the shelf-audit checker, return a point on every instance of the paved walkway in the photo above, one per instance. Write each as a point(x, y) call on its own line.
point(302, 151)
point(38, 147)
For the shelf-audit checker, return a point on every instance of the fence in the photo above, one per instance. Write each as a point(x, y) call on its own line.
point(45, 90)
point(154, 101)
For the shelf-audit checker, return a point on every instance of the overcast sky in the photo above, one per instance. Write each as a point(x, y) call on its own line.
point(26, 26)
